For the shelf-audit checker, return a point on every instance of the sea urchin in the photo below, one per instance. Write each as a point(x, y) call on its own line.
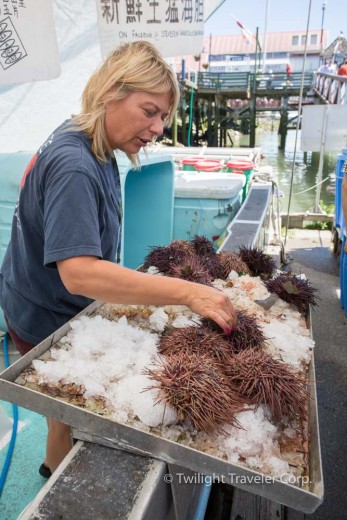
point(258, 262)
point(197, 390)
point(293, 289)
point(267, 381)
point(231, 261)
point(201, 340)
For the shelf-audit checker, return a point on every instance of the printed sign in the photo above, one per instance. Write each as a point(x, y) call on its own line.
point(28, 46)
point(176, 27)
point(323, 123)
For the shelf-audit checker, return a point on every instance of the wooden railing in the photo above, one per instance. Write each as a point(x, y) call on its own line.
point(283, 81)
point(332, 88)
point(236, 81)
point(243, 81)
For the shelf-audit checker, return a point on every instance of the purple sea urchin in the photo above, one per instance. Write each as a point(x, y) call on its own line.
point(266, 381)
point(294, 290)
point(203, 246)
point(192, 269)
point(183, 245)
point(197, 390)
point(258, 263)
point(231, 262)
point(163, 257)
point(248, 334)
point(196, 340)
point(207, 255)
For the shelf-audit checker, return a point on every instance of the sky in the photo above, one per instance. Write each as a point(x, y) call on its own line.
point(283, 15)
point(44, 104)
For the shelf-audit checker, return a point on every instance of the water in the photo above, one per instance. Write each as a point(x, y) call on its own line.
point(305, 170)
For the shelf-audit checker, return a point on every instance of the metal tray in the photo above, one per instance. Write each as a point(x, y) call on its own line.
point(148, 444)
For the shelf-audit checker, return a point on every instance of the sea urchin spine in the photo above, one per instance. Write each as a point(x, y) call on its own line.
point(231, 261)
point(201, 340)
point(190, 268)
point(267, 381)
point(258, 262)
point(248, 334)
point(294, 290)
point(197, 390)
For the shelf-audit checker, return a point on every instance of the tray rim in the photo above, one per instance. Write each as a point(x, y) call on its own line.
point(128, 437)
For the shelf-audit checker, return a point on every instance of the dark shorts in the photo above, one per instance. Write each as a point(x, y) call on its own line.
point(22, 346)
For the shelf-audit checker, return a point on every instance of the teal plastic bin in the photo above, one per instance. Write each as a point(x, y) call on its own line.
point(188, 163)
point(209, 165)
point(205, 204)
point(148, 201)
point(247, 168)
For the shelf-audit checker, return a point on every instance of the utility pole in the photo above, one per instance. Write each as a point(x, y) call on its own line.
point(265, 34)
point(253, 101)
point(322, 30)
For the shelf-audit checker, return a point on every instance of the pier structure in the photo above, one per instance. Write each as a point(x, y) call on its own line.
point(214, 103)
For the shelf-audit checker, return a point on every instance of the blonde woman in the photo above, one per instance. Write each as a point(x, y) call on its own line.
point(64, 241)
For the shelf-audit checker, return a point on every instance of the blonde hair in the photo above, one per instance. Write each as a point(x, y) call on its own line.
point(133, 67)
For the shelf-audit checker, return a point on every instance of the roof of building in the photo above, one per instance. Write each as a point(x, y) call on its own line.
point(275, 42)
point(338, 46)
point(237, 44)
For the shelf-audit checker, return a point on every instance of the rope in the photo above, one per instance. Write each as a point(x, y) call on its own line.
point(312, 187)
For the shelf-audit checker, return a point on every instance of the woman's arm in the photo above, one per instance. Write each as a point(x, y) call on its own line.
point(102, 280)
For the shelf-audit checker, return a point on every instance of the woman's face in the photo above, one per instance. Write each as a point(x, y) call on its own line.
point(134, 121)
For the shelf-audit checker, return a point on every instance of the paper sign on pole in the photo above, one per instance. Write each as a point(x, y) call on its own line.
point(28, 44)
point(312, 128)
point(176, 27)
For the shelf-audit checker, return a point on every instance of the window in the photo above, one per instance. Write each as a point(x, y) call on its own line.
point(313, 39)
point(295, 40)
point(303, 40)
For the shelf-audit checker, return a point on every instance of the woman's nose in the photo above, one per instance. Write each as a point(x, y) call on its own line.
point(157, 126)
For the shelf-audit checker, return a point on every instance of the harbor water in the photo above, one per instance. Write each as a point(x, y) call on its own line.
point(305, 170)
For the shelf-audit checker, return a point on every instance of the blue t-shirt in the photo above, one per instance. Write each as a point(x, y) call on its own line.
point(69, 205)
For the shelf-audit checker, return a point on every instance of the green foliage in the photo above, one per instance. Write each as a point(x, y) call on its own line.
point(290, 234)
point(329, 209)
point(322, 226)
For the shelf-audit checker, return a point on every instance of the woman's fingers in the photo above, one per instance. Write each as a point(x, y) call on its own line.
point(212, 303)
point(224, 323)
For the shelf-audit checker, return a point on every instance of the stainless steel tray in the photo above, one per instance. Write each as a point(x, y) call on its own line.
point(149, 444)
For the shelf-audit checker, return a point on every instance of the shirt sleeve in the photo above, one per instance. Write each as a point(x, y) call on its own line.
point(71, 218)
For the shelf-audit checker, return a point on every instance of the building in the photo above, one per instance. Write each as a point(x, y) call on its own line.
point(337, 50)
point(235, 53)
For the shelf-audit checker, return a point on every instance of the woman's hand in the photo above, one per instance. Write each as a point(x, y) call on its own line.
point(214, 304)
point(108, 282)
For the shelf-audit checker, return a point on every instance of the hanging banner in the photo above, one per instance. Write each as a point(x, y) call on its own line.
point(28, 44)
point(176, 27)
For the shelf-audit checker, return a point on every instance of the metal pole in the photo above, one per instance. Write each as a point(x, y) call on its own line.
point(321, 30)
point(210, 50)
point(298, 121)
point(265, 34)
point(174, 130)
point(253, 101)
point(317, 208)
